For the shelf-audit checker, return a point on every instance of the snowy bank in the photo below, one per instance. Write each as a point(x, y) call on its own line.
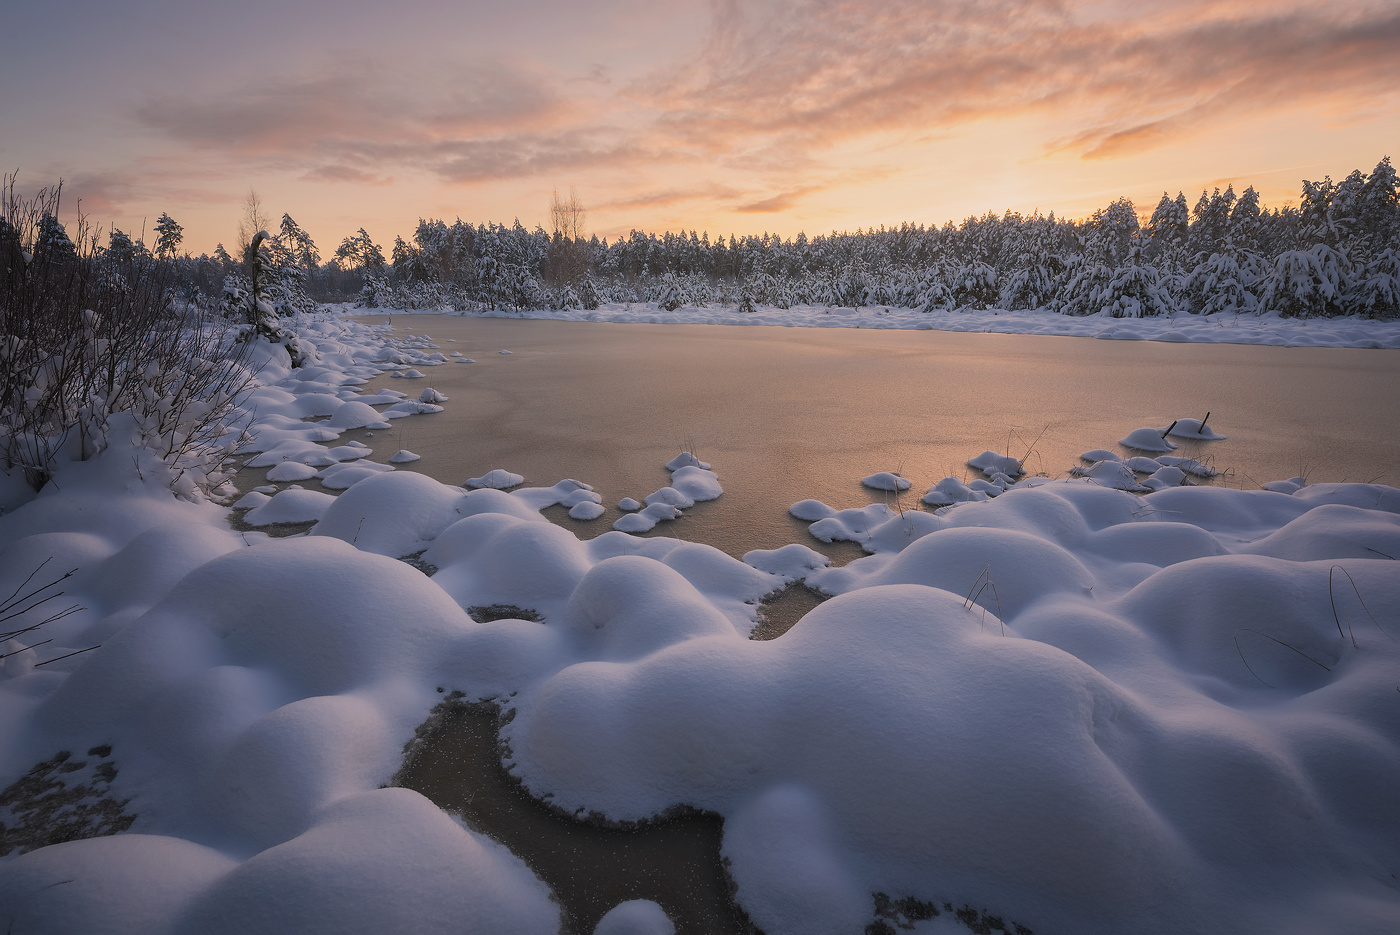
point(1219, 328)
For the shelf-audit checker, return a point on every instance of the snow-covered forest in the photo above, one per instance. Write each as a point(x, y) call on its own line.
point(1336, 253)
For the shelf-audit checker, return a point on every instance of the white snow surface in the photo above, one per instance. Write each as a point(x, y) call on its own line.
point(1081, 709)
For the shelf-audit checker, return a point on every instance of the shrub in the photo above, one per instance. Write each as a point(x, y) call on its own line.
point(86, 337)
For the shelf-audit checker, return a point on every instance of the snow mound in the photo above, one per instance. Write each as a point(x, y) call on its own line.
point(1146, 439)
point(686, 459)
point(290, 506)
point(884, 480)
point(635, 917)
point(1191, 428)
point(404, 456)
point(392, 514)
point(430, 395)
point(497, 479)
point(989, 461)
point(1115, 474)
point(586, 510)
point(791, 562)
point(951, 490)
point(291, 471)
point(691, 481)
point(1189, 465)
point(354, 414)
point(341, 476)
point(1100, 454)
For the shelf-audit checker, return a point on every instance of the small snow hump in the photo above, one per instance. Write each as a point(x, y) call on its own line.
point(884, 480)
point(1147, 439)
point(989, 462)
point(505, 352)
point(497, 479)
point(431, 395)
point(1192, 428)
point(404, 456)
point(686, 459)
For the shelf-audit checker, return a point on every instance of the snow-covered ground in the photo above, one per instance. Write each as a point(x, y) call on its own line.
point(1221, 328)
point(1076, 708)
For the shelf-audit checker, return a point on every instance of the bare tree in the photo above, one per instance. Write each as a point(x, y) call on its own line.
point(252, 220)
point(568, 216)
point(569, 250)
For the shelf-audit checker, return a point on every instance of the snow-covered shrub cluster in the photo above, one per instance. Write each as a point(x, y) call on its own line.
point(93, 351)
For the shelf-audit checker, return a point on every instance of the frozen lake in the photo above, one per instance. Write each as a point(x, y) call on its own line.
point(785, 414)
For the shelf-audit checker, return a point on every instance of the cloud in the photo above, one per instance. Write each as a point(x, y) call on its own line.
point(824, 72)
point(775, 96)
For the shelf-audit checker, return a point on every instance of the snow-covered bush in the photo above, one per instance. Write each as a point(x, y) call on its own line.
point(670, 296)
point(91, 345)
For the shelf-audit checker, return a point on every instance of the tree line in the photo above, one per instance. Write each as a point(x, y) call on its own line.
point(1337, 252)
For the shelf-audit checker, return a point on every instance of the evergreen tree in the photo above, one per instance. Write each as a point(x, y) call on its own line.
point(51, 241)
point(670, 297)
point(121, 248)
point(168, 236)
point(360, 252)
point(299, 243)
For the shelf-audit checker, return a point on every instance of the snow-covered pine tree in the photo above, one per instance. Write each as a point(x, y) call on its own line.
point(168, 236)
point(1166, 232)
point(51, 241)
point(1086, 282)
point(1134, 290)
point(1306, 283)
point(1376, 293)
point(120, 247)
point(588, 294)
point(568, 298)
point(1219, 285)
point(1206, 234)
point(670, 297)
point(932, 292)
point(359, 251)
point(975, 286)
point(746, 299)
point(299, 243)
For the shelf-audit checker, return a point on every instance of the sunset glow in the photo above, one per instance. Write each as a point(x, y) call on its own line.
point(720, 117)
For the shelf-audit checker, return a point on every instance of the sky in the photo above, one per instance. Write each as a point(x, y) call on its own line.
point(722, 116)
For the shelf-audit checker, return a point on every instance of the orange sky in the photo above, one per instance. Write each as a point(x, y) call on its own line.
point(720, 117)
